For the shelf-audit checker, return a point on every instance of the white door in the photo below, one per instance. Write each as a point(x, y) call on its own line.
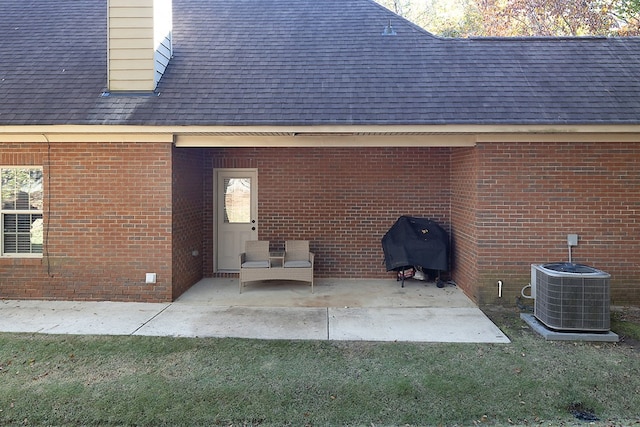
point(236, 214)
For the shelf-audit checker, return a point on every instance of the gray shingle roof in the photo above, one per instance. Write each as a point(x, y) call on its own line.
point(307, 62)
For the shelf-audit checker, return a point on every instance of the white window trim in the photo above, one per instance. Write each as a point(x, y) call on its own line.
point(35, 255)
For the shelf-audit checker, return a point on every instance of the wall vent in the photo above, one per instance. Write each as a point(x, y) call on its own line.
point(571, 297)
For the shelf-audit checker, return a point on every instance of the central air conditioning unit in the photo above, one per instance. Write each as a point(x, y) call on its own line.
point(571, 297)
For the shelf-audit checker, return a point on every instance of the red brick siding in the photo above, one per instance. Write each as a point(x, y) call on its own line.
point(188, 218)
point(22, 278)
point(117, 211)
point(108, 212)
point(342, 200)
point(531, 195)
point(464, 199)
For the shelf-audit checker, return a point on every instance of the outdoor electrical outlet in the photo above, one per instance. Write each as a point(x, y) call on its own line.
point(572, 239)
point(151, 278)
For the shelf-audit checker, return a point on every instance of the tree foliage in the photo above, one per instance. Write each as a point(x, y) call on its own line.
point(510, 18)
point(547, 17)
point(627, 13)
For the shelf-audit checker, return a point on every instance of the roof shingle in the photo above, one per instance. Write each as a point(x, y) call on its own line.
point(308, 62)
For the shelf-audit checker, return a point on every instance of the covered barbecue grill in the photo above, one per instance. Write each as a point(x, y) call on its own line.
point(416, 243)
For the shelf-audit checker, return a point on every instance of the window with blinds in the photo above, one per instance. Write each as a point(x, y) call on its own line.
point(21, 202)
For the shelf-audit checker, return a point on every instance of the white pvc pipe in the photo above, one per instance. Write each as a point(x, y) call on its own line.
point(527, 296)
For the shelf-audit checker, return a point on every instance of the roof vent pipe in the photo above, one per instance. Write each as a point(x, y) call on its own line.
point(388, 30)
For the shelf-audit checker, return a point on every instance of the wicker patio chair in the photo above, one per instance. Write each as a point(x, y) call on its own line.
point(254, 260)
point(297, 255)
point(256, 254)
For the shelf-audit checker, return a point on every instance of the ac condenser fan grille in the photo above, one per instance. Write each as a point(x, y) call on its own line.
point(571, 301)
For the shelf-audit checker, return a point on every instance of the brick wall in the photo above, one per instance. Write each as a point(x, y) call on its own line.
point(531, 195)
point(188, 218)
point(464, 200)
point(108, 213)
point(22, 278)
point(111, 212)
point(342, 200)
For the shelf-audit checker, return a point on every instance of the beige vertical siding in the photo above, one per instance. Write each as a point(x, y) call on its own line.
point(139, 40)
point(162, 36)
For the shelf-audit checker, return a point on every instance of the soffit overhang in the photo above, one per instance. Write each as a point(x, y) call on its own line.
point(329, 135)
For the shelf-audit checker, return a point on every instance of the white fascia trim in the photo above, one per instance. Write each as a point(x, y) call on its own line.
point(323, 135)
point(82, 133)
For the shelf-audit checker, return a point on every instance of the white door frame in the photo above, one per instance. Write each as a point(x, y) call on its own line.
point(249, 230)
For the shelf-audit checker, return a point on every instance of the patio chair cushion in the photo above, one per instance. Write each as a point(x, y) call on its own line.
point(255, 264)
point(297, 264)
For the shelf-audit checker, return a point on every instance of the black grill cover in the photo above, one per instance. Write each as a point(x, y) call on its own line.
point(416, 242)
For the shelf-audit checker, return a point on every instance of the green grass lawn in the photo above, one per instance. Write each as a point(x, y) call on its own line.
point(97, 380)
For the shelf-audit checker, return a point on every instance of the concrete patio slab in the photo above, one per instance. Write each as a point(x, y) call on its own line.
point(421, 324)
point(372, 310)
point(80, 318)
point(181, 320)
point(327, 293)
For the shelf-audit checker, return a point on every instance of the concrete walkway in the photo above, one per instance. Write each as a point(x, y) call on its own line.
point(370, 310)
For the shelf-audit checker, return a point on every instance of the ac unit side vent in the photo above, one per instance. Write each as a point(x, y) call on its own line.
point(570, 300)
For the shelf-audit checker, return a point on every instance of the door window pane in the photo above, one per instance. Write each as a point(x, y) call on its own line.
point(237, 200)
